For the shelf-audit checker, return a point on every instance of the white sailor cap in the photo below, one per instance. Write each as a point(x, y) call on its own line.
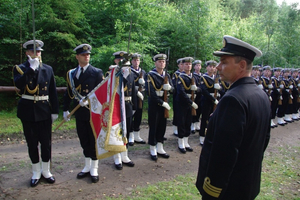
point(136, 55)
point(29, 45)
point(83, 48)
point(211, 62)
point(197, 62)
point(160, 56)
point(119, 54)
point(187, 59)
point(267, 67)
point(235, 47)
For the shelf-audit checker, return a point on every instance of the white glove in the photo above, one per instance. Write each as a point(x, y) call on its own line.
point(54, 117)
point(217, 86)
point(125, 71)
point(271, 99)
point(260, 86)
point(278, 90)
point(65, 115)
point(291, 86)
point(140, 95)
point(166, 105)
point(216, 102)
point(281, 86)
point(194, 105)
point(193, 87)
point(167, 87)
point(291, 96)
point(83, 102)
point(281, 98)
point(298, 84)
point(270, 86)
point(141, 81)
point(34, 63)
point(133, 111)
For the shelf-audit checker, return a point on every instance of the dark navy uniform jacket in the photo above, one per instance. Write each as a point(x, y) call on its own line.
point(207, 87)
point(238, 133)
point(130, 91)
point(29, 110)
point(183, 83)
point(88, 81)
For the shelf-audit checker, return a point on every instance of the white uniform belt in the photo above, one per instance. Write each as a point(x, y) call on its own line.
point(35, 98)
point(127, 98)
point(160, 93)
point(190, 95)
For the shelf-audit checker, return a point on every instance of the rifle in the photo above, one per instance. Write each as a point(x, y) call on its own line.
point(290, 92)
point(280, 92)
point(192, 97)
point(166, 81)
point(216, 91)
point(140, 90)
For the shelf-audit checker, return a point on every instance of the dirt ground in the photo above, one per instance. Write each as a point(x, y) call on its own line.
point(67, 161)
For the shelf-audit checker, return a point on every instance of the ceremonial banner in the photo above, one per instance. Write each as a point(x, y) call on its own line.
point(106, 116)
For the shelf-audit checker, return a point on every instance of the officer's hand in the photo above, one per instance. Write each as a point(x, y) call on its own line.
point(216, 102)
point(54, 117)
point(141, 81)
point(167, 87)
point(217, 86)
point(193, 87)
point(261, 86)
point(83, 102)
point(65, 115)
point(34, 63)
point(194, 105)
point(270, 86)
point(281, 86)
point(166, 105)
point(125, 71)
point(291, 86)
point(140, 95)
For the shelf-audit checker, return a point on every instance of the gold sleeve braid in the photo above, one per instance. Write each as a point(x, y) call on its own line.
point(224, 85)
point(152, 81)
point(21, 72)
point(265, 84)
point(210, 189)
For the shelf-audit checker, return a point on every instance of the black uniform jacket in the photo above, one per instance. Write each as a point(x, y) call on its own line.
point(183, 88)
point(130, 91)
point(88, 81)
point(27, 81)
point(155, 82)
point(207, 87)
point(238, 133)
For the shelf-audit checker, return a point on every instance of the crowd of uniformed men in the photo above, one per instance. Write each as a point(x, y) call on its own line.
point(195, 96)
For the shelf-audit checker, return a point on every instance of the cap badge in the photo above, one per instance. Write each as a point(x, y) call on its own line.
point(85, 47)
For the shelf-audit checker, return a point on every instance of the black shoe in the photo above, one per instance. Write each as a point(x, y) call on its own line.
point(164, 155)
point(94, 179)
point(193, 132)
point(153, 157)
point(81, 175)
point(51, 179)
point(188, 149)
point(129, 164)
point(197, 130)
point(281, 124)
point(182, 150)
point(119, 166)
point(130, 143)
point(175, 134)
point(140, 142)
point(34, 182)
point(164, 138)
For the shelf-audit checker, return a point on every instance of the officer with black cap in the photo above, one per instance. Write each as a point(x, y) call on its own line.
point(130, 98)
point(238, 131)
point(155, 87)
point(37, 108)
point(139, 78)
point(81, 80)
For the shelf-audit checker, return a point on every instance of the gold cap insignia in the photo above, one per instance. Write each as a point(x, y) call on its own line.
point(224, 42)
point(85, 47)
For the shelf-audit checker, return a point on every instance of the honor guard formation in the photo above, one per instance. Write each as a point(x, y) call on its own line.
point(232, 106)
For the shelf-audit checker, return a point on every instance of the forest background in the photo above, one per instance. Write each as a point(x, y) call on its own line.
point(184, 27)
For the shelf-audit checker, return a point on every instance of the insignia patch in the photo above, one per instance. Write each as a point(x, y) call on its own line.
point(85, 47)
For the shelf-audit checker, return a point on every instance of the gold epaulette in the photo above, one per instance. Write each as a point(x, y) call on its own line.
point(152, 81)
point(184, 85)
point(206, 83)
point(19, 70)
point(210, 189)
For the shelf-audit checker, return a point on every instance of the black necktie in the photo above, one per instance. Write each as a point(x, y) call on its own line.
point(81, 72)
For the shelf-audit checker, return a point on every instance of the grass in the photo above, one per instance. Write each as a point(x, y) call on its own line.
point(280, 180)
